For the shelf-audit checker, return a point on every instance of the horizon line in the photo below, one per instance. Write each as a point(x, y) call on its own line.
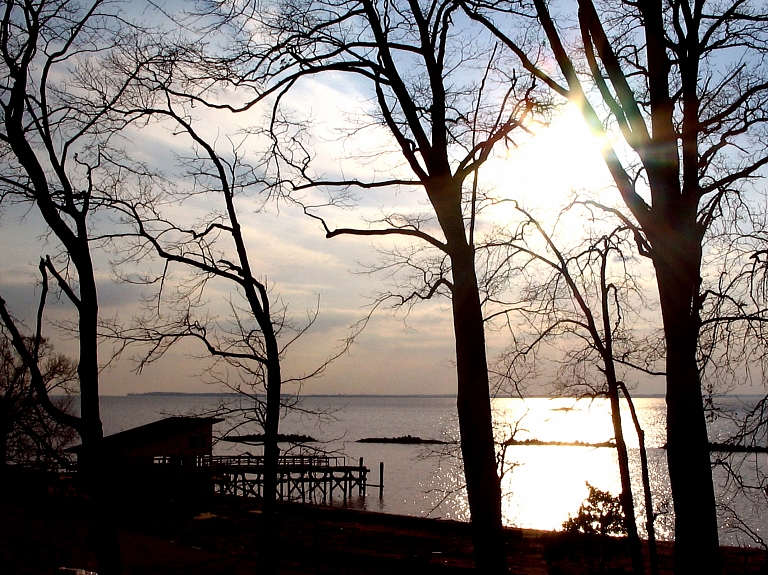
point(382, 395)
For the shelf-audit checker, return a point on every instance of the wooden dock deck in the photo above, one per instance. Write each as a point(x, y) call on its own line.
point(301, 478)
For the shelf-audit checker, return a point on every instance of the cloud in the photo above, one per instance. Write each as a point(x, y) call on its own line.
point(288, 250)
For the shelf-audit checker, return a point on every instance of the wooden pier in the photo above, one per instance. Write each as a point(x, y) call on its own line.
point(301, 478)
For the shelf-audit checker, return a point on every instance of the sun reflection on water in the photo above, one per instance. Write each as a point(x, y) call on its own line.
point(545, 487)
point(553, 483)
point(556, 419)
point(542, 485)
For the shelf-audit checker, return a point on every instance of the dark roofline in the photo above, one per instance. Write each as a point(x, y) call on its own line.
point(150, 432)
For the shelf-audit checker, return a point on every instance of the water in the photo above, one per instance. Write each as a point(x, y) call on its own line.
point(542, 485)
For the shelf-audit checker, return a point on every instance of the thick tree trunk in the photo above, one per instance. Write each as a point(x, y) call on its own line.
point(475, 423)
point(473, 390)
point(88, 365)
point(677, 259)
point(676, 239)
point(97, 476)
point(269, 554)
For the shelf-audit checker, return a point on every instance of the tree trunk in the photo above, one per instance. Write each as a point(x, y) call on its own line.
point(626, 498)
point(670, 224)
point(676, 237)
point(473, 401)
point(96, 472)
point(88, 365)
point(474, 410)
point(269, 554)
point(649, 517)
point(677, 259)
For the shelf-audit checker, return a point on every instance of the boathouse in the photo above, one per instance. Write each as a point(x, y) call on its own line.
point(177, 440)
point(173, 458)
point(130, 458)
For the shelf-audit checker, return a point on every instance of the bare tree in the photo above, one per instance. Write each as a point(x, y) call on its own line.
point(249, 343)
point(734, 314)
point(77, 80)
point(683, 86)
point(732, 352)
point(444, 105)
point(438, 95)
point(582, 299)
point(54, 142)
point(28, 434)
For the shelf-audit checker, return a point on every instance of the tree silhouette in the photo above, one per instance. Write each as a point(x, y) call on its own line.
point(579, 299)
point(55, 141)
point(28, 434)
point(439, 99)
point(683, 87)
point(201, 256)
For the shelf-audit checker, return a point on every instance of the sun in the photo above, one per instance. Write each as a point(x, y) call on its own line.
point(562, 158)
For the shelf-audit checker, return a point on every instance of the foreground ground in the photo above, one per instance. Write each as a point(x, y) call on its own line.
point(221, 536)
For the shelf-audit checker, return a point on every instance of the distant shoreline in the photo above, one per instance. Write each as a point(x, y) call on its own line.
point(395, 395)
point(376, 395)
point(211, 394)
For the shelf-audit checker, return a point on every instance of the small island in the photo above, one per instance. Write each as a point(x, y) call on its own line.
point(734, 448)
point(259, 438)
point(559, 443)
point(403, 440)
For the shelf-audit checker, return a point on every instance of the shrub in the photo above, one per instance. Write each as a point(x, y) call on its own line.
point(600, 514)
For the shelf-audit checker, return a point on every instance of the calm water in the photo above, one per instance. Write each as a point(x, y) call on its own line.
point(542, 485)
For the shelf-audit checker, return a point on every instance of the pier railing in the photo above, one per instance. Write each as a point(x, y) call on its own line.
point(305, 478)
point(248, 460)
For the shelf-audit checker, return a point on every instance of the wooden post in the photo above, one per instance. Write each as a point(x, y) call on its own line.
point(381, 479)
point(361, 480)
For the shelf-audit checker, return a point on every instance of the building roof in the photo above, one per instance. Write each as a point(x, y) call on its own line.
point(151, 432)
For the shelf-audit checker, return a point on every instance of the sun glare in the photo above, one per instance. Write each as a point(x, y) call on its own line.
point(554, 477)
point(561, 158)
point(559, 419)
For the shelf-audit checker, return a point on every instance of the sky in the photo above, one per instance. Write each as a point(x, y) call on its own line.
point(397, 352)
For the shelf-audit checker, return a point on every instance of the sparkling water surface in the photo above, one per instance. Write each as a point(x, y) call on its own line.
point(542, 485)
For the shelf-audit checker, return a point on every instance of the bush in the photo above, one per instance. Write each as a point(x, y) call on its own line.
point(600, 514)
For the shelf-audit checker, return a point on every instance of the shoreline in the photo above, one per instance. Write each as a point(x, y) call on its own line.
point(221, 535)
